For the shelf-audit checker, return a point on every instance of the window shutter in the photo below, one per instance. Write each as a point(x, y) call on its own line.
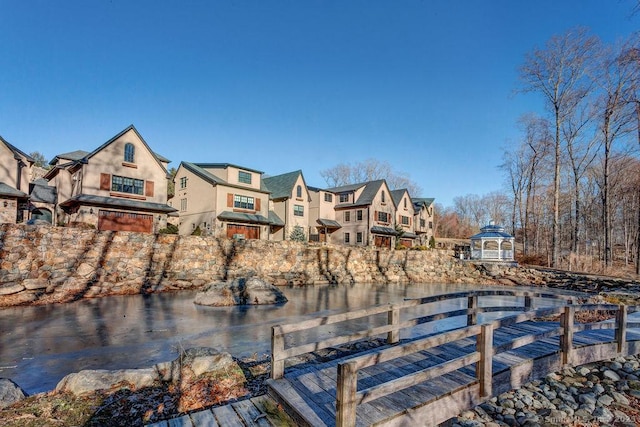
point(375, 215)
point(148, 188)
point(230, 200)
point(105, 181)
point(257, 204)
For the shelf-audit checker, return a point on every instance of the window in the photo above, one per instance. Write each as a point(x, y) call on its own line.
point(129, 153)
point(244, 177)
point(328, 197)
point(383, 217)
point(359, 215)
point(422, 223)
point(404, 220)
point(298, 210)
point(405, 203)
point(383, 197)
point(359, 237)
point(127, 185)
point(430, 224)
point(243, 202)
point(299, 191)
point(183, 205)
point(344, 198)
point(347, 216)
point(346, 237)
point(183, 182)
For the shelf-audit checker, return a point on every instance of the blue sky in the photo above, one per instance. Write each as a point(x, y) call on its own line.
point(283, 85)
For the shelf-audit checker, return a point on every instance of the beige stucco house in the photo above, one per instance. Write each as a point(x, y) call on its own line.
point(15, 174)
point(289, 203)
point(423, 219)
point(404, 217)
point(121, 185)
point(366, 214)
point(222, 200)
point(322, 216)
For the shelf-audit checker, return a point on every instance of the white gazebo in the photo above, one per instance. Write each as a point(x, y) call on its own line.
point(492, 244)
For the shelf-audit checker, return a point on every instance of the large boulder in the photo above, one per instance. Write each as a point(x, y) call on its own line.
point(240, 292)
point(10, 393)
point(191, 363)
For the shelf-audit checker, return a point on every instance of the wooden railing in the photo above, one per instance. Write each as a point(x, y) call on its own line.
point(348, 395)
point(279, 333)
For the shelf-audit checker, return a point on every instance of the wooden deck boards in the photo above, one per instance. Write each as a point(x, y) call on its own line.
point(316, 385)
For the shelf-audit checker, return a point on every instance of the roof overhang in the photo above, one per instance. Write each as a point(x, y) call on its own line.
point(328, 223)
point(383, 230)
point(243, 217)
point(114, 202)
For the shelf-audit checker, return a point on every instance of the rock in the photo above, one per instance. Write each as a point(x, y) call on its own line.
point(89, 381)
point(611, 375)
point(10, 393)
point(11, 288)
point(240, 292)
point(192, 362)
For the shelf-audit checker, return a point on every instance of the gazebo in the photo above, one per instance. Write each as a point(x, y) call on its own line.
point(492, 244)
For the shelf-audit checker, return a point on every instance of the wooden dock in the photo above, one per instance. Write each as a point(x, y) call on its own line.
point(427, 380)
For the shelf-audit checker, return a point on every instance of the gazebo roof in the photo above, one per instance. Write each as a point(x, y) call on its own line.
point(491, 231)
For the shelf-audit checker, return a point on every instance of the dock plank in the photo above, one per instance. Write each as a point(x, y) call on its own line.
point(204, 419)
point(226, 416)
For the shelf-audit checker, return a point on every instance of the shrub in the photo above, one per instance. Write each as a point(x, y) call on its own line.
point(432, 242)
point(197, 232)
point(170, 229)
point(297, 234)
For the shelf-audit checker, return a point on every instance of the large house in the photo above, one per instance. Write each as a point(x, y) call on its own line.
point(366, 214)
point(423, 219)
point(222, 200)
point(15, 174)
point(405, 221)
point(121, 185)
point(322, 216)
point(288, 205)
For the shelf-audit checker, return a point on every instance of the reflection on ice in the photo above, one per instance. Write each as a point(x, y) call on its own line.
point(40, 345)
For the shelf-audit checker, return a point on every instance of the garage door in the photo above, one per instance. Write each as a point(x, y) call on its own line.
point(247, 231)
point(125, 221)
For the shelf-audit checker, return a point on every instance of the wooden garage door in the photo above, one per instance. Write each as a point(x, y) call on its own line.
point(249, 231)
point(125, 221)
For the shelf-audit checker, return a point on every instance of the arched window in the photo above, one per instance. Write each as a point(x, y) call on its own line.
point(299, 191)
point(129, 153)
point(383, 196)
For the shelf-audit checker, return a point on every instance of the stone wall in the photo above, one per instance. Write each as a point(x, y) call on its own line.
point(45, 264)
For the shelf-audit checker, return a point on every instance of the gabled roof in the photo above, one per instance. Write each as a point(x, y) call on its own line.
point(83, 156)
point(281, 186)
point(369, 192)
point(398, 194)
point(17, 153)
point(427, 201)
point(9, 191)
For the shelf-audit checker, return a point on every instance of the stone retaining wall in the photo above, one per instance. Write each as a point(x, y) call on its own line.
point(44, 264)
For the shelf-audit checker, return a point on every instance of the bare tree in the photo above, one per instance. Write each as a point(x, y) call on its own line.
point(559, 73)
point(616, 119)
point(369, 170)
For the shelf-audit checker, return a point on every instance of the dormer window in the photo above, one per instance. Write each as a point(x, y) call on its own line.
point(244, 177)
point(299, 191)
point(129, 153)
point(344, 197)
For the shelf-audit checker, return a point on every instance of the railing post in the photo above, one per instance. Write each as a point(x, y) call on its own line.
point(277, 347)
point(484, 370)
point(621, 328)
point(566, 341)
point(347, 386)
point(393, 319)
point(472, 304)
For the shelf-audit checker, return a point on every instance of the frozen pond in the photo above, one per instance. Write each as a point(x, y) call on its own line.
point(40, 345)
